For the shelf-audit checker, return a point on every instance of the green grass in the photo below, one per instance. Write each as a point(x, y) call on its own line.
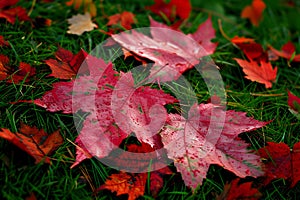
point(19, 175)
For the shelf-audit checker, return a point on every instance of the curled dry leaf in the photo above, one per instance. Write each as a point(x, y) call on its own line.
point(35, 142)
point(81, 23)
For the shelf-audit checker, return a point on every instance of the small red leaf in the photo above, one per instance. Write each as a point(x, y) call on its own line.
point(125, 19)
point(3, 42)
point(10, 14)
point(264, 73)
point(25, 71)
point(172, 9)
point(67, 65)
point(254, 12)
point(236, 191)
point(250, 48)
point(288, 51)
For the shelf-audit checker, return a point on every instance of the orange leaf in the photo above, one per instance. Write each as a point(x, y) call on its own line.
point(264, 73)
point(236, 40)
point(254, 11)
point(67, 65)
point(125, 183)
point(35, 142)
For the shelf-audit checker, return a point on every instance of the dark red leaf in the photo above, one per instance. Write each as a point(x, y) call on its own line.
point(11, 14)
point(172, 9)
point(281, 162)
point(3, 42)
point(236, 191)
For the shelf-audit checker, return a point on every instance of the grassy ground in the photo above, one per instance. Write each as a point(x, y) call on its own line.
point(18, 174)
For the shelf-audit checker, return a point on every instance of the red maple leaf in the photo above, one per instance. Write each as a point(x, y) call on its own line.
point(172, 9)
point(254, 12)
point(35, 142)
point(250, 48)
point(204, 139)
point(99, 94)
point(281, 162)
point(172, 55)
point(3, 42)
point(10, 14)
point(24, 71)
point(67, 65)
point(288, 51)
point(236, 191)
point(264, 73)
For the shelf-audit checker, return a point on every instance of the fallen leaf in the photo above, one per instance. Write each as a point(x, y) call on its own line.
point(3, 42)
point(250, 48)
point(172, 55)
point(88, 6)
point(264, 73)
point(172, 9)
point(157, 181)
point(10, 14)
point(80, 24)
point(141, 152)
point(100, 133)
point(288, 51)
point(193, 149)
point(125, 183)
point(236, 191)
point(35, 142)
point(281, 162)
point(67, 65)
point(254, 12)
point(293, 102)
point(125, 19)
point(23, 73)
